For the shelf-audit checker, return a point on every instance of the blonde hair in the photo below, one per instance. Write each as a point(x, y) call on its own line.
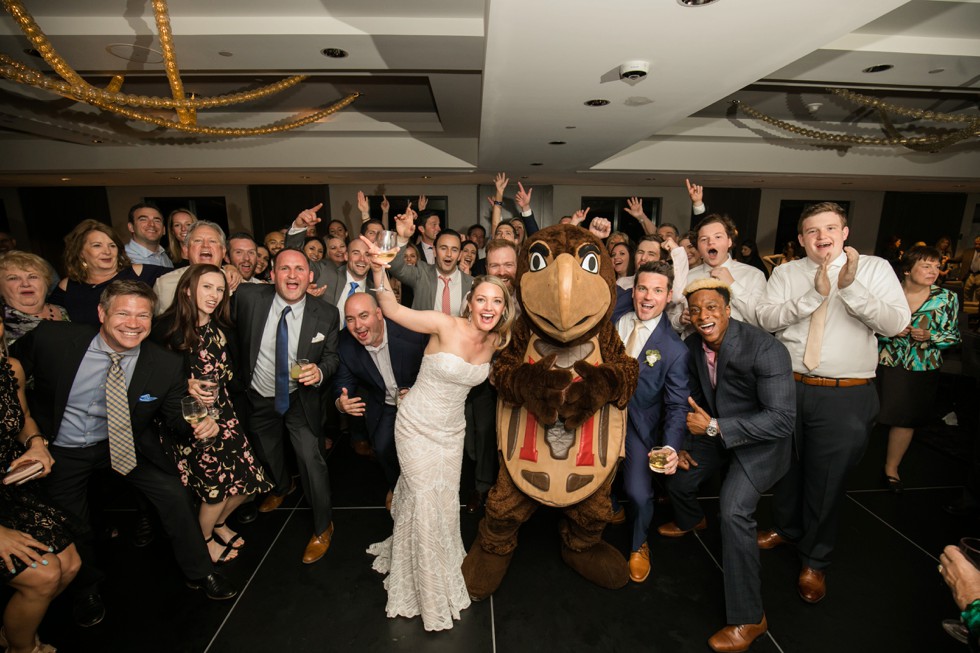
point(26, 261)
point(503, 327)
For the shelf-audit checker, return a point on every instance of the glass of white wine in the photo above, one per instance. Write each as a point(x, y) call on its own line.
point(209, 384)
point(387, 242)
point(194, 413)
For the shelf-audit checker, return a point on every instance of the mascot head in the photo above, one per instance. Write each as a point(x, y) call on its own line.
point(566, 284)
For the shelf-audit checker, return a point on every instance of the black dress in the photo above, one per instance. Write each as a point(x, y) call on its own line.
point(82, 299)
point(228, 467)
point(20, 506)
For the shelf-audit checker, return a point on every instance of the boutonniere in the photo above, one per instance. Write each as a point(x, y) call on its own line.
point(653, 355)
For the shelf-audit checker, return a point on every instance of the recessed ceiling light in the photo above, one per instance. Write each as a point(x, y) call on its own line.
point(66, 179)
point(695, 3)
point(304, 176)
point(569, 126)
point(334, 53)
point(537, 164)
point(651, 179)
point(225, 53)
point(813, 107)
point(936, 71)
point(880, 68)
point(596, 103)
point(557, 143)
point(96, 141)
point(426, 177)
point(176, 178)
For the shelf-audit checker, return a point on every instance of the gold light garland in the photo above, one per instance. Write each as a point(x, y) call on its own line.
point(931, 143)
point(72, 86)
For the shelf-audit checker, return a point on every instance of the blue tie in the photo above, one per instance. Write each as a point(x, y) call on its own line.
point(353, 288)
point(282, 363)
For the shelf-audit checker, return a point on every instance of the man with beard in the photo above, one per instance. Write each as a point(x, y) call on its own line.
point(205, 243)
point(242, 253)
point(715, 235)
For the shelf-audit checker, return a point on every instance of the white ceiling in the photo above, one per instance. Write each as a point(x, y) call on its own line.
point(456, 90)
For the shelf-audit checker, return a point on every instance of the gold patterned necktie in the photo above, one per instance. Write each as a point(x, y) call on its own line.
point(814, 338)
point(636, 338)
point(122, 453)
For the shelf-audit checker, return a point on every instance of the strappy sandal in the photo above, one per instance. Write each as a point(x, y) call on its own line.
point(230, 543)
point(39, 647)
point(223, 558)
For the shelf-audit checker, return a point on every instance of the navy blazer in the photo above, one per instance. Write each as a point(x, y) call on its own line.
point(358, 373)
point(754, 402)
point(52, 353)
point(317, 340)
point(657, 412)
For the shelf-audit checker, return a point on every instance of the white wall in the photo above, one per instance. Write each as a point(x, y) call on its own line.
point(461, 202)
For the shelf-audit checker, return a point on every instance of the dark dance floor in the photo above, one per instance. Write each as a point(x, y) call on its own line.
point(884, 593)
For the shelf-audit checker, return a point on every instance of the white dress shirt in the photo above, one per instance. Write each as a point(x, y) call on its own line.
point(382, 360)
point(873, 303)
point(748, 289)
point(428, 252)
point(264, 374)
point(624, 327)
point(455, 292)
point(345, 292)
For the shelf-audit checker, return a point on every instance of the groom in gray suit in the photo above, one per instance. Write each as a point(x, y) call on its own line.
point(743, 405)
point(441, 286)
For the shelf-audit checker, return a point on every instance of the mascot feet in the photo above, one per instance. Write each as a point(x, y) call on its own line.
point(602, 564)
point(483, 571)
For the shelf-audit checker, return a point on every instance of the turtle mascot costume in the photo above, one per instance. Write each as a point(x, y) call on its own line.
point(563, 383)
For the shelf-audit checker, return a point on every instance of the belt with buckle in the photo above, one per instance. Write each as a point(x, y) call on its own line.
point(827, 382)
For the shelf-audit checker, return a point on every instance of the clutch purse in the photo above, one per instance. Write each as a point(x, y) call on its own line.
point(26, 471)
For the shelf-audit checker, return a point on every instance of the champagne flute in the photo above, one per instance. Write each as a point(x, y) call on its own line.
point(194, 413)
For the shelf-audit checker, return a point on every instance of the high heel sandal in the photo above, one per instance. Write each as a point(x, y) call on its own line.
point(230, 543)
point(39, 647)
point(223, 558)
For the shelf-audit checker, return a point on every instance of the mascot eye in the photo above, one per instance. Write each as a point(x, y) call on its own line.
point(537, 262)
point(590, 263)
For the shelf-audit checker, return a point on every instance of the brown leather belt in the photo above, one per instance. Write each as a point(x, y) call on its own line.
point(829, 383)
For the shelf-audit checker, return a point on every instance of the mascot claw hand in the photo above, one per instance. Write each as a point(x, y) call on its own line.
point(587, 396)
point(545, 388)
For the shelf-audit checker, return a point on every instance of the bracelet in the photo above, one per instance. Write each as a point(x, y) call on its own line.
point(27, 442)
point(498, 203)
point(971, 618)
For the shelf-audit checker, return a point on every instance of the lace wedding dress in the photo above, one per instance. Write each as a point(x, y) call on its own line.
point(423, 556)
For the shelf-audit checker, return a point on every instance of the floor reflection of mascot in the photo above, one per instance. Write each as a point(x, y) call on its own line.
point(563, 385)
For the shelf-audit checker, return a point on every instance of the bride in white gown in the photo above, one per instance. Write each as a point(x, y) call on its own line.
point(423, 556)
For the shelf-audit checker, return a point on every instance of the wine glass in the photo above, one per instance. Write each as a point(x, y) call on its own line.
point(387, 242)
point(209, 384)
point(194, 413)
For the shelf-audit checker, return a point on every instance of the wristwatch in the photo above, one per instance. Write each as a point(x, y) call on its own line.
point(712, 429)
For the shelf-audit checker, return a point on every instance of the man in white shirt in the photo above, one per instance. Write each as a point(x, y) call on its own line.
point(440, 287)
point(716, 234)
point(826, 309)
point(205, 243)
point(429, 229)
point(145, 224)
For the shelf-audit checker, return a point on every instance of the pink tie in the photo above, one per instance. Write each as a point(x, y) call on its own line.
point(446, 303)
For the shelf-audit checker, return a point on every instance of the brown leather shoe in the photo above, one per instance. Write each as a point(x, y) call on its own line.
point(618, 517)
point(317, 546)
point(273, 501)
point(732, 639)
point(640, 564)
point(670, 529)
point(363, 448)
point(769, 539)
point(812, 585)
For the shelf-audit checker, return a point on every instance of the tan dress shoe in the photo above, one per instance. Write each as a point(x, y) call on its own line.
point(812, 585)
point(640, 564)
point(732, 639)
point(670, 529)
point(317, 546)
point(769, 539)
point(273, 501)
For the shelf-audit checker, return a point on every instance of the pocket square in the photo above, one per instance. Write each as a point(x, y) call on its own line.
point(147, 398)
point(318, 337)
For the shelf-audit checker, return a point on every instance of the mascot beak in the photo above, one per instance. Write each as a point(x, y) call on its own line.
point(564, 300)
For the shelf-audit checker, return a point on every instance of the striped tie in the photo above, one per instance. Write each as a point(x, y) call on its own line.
point(122, 453)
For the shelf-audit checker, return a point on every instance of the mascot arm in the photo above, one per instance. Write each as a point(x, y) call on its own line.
point(535, 386)
point(614, 381)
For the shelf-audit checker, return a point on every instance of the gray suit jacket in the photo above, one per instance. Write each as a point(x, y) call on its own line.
point(754, 401)
point(424, 280)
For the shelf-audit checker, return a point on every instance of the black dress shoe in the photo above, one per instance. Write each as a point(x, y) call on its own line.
point(88, 610)
point(475, 502)
point(144, 533)
point(247, 513)
point(216, 586)
point(963, 506)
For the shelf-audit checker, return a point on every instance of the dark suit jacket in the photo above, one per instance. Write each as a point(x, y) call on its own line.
point(659, 406)
point(755, 401)
point(52, 353)
point(361, 377)
point(321, 321)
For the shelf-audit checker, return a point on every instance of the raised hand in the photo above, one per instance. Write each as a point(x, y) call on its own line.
point(668, 244)
point(821, 281)
point(697, 419)
point(849, 271)
point(405, 224)
point(634, 207)
point(695, 192)
point(385, 205)
point(579, 216)
point(523, 198)
point(307, 217)
point(501, 181)
point(600, 228)
point(374, 251)
point(350, 405)
point(362, 203)
point(314, 290)
point(723, 275)
point(423, 202)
